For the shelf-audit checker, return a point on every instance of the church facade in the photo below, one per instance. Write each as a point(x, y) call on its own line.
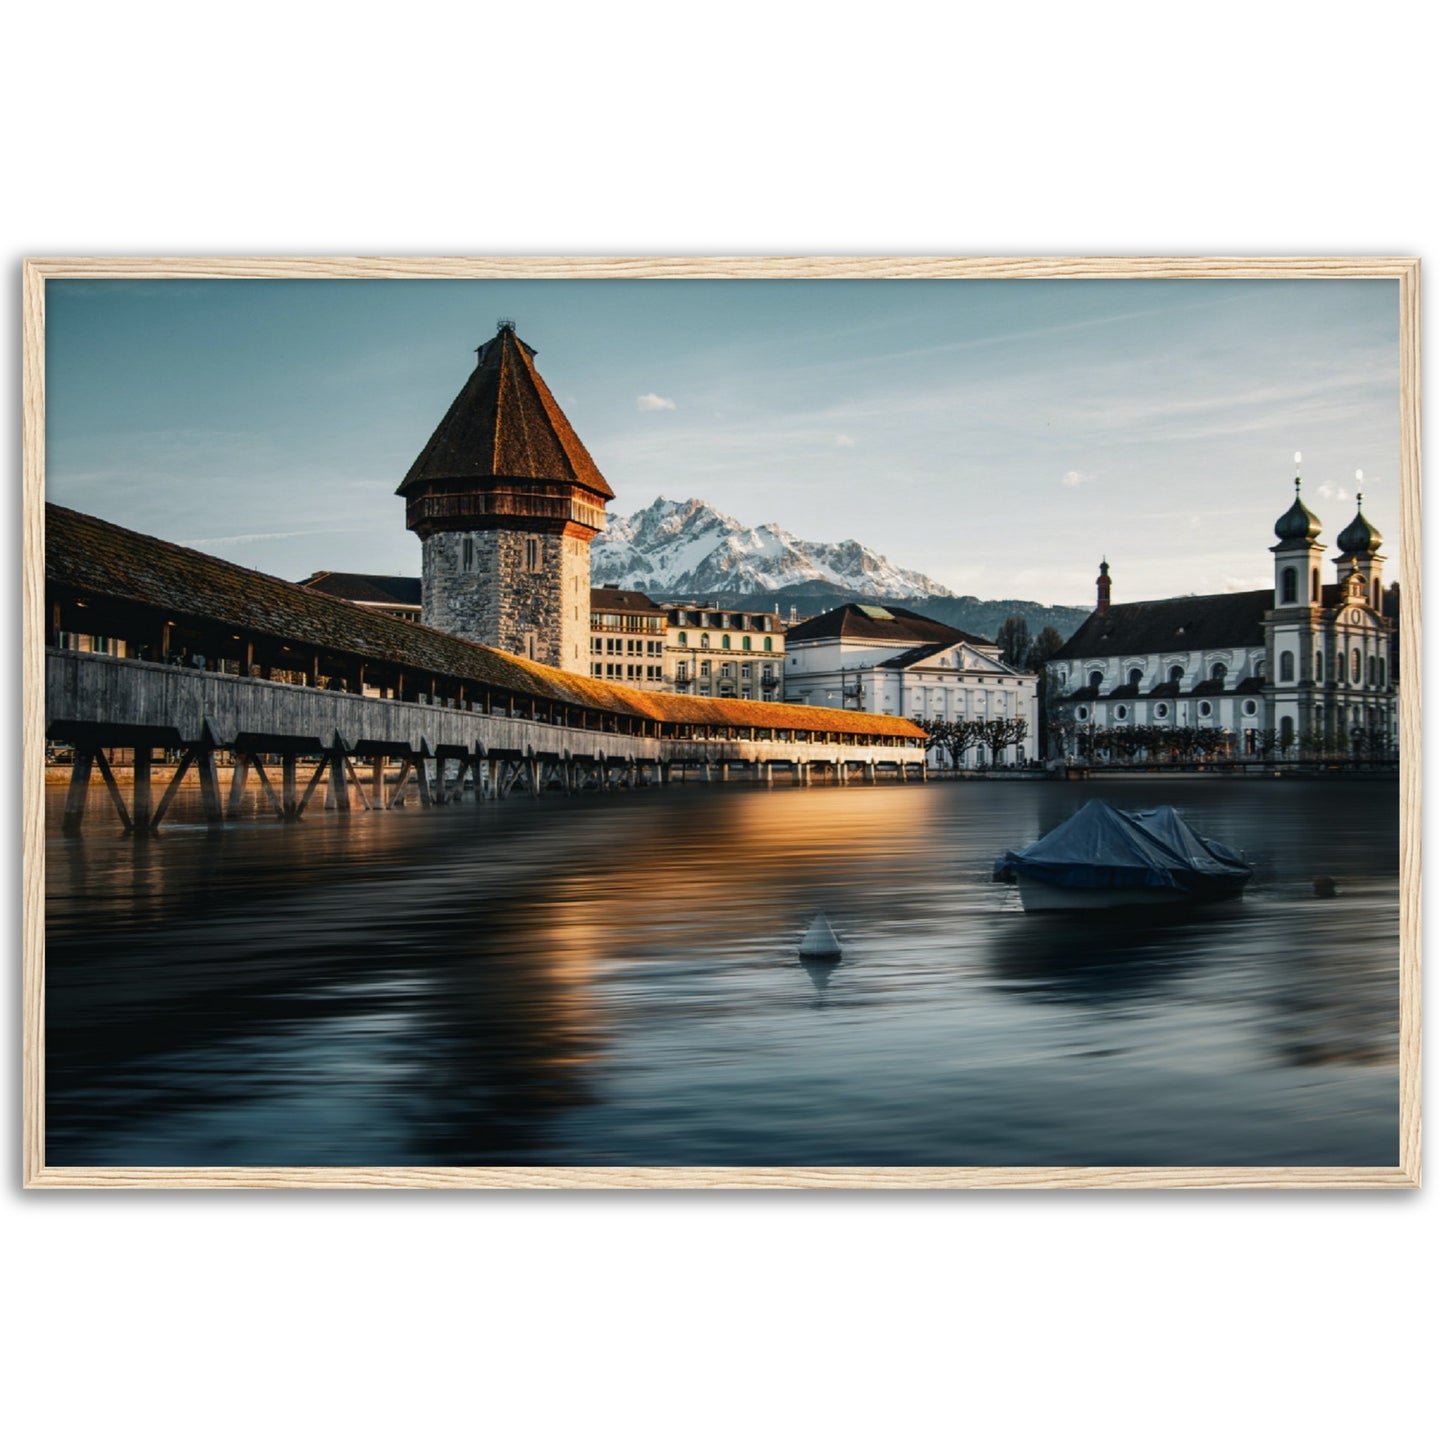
point(1306, 666)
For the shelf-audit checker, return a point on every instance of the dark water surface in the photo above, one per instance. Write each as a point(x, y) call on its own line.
point(614, 980)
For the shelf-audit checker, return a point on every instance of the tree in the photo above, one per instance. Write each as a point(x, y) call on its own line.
point(1002, 732)
point(1041, 649)
point(1013, 638)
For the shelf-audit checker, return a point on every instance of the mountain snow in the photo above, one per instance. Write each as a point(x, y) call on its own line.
point(690, 549)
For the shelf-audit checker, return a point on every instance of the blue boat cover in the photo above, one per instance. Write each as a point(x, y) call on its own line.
point(1105, 847)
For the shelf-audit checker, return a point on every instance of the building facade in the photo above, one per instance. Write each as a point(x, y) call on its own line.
point(628, 639)
point(719, 652)
point(890, 660)
point(1304, 666)
point(506, 501)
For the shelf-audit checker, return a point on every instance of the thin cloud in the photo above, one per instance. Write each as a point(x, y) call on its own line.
point(650, 401)
point(844, 440)
point(1074, 479)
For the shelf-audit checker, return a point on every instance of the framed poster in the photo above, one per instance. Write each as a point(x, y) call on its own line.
point(844, 722)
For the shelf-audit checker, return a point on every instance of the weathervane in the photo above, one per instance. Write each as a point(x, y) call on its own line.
point(1298, 458)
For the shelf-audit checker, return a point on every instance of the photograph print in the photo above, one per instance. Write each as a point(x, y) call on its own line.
point(920, 727)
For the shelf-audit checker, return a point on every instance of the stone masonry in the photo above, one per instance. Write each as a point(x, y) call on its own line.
point(524, 592)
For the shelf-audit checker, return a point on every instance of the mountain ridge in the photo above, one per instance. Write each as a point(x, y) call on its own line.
point(691, 547)
point(691, 551)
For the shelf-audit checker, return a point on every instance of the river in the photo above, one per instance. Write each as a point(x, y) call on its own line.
point(614, 980)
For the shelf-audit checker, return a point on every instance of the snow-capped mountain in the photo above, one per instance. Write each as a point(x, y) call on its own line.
point(689, 549)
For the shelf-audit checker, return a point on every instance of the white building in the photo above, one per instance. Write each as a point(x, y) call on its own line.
point(723, 652)
point(1305, 661)
point(889, 660)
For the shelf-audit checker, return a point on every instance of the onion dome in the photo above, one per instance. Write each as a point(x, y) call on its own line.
point(1359, 538)
point(1299, 524)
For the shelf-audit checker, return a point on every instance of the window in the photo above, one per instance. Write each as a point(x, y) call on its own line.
point(1136, 676)
point(727, 641)
point(747, 644)
point(1339, 667)
point(1206, 709)
point(1314, 584)
point(1286, 732)
point(727, 669)
point(1354, 664)
point(767, 644)
point(1376, 595)
point(1161, 709)
point(1250, 707)
point(1096, 678)
point(1121, 712)
point(1176, 673)
point(704, 642)
point(1289, 585)
point(704, 668)
point(682, 639)
point(468, 554)
point(1370, 671)
point(1082, 713)
point(534, 555)
point(747, 670)
point(1286, 667)
point(596, 644)
point(596, 669)
point(1218, 672)
point(1319, 667)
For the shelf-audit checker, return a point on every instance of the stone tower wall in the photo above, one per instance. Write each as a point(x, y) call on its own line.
point(534, 604)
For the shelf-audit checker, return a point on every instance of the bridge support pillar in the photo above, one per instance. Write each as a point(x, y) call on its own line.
point(337, 796)
point(288, 787)
point(80, 770)
point(210, 786)
point(141, 806)
point(378, 782)
point(240, 774)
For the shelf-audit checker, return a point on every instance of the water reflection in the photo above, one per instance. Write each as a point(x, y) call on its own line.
point(616, 980)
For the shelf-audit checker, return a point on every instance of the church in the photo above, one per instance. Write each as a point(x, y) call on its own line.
point(1306, 666)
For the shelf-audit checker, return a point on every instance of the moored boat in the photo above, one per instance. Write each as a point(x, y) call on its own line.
point(1106, 857)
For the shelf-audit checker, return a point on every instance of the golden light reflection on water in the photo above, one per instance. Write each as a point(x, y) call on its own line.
point(616, 979)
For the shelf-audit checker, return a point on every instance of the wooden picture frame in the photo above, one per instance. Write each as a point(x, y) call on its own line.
point(1406, 1173)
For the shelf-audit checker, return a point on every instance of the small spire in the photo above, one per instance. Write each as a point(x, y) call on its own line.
point(1359, 501)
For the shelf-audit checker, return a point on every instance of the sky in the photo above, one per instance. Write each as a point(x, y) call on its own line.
point(999, 436)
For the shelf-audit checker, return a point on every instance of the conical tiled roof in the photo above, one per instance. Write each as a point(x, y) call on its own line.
point(505, 423)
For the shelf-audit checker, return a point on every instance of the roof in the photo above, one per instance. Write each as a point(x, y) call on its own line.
point(369, 587)
point(100, 561)
point(861, 622)
point(1174, 624)
point(932, 649)
point(505, 424)
point(618, 599)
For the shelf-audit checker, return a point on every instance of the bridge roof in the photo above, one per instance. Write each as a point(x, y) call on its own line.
point(505, 423)
point(103, 563)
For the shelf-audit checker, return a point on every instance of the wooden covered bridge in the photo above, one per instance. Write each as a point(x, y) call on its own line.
point(154, 646)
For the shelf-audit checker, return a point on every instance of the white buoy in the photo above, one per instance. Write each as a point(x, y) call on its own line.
point(820, 941)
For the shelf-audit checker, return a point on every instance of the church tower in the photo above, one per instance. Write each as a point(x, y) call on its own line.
point(1359, 546)
point(1292, 627)
point(506, 502)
